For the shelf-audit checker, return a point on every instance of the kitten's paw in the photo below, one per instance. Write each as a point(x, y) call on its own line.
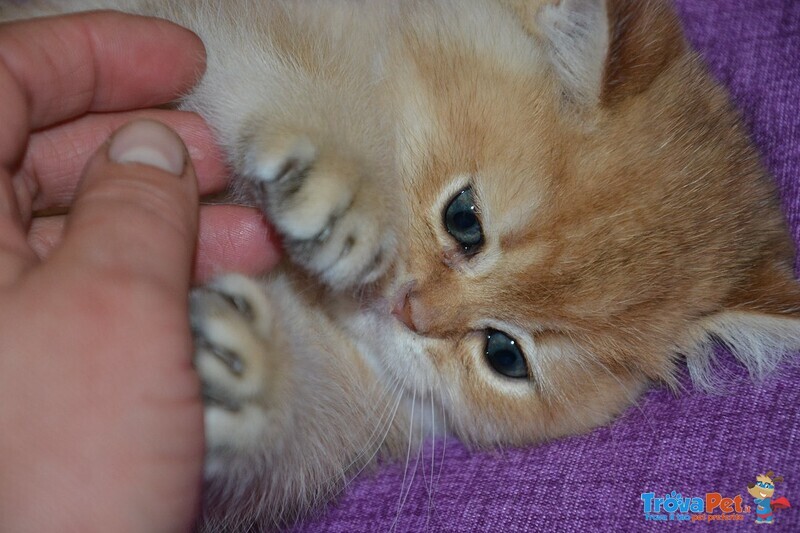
point(317, 200)
point(232, 326)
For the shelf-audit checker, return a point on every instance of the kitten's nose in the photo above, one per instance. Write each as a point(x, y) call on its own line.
point(401, 305)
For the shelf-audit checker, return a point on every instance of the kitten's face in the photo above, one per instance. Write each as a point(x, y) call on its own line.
point(559, 254)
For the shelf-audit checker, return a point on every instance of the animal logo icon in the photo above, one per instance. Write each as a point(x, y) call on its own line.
point(762, 491)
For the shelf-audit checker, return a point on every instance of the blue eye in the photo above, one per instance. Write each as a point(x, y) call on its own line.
point(461, 221)
point(504, 355)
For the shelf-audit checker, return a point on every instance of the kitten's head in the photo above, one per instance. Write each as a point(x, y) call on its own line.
point(585, 208)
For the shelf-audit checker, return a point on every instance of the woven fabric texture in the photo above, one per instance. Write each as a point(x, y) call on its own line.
point(694, 443)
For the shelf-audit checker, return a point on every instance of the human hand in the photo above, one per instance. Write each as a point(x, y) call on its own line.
point(101, 418)
point(231, 238)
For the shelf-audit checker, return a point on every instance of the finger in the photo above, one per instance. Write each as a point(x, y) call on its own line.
point(53, 69)
point(45, 234)
point(15, 254)
point(234, 239)
point(56, 157)
point(231, 239)
point(134, 219)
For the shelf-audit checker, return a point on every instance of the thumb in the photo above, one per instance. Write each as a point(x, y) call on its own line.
point(135, 213)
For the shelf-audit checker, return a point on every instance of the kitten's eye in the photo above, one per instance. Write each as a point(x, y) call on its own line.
point(503, 355)
point(461, 221)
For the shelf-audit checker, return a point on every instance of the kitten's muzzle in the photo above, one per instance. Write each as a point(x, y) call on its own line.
point(411, 307)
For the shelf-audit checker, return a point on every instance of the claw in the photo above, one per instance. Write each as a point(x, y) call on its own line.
point(324, 234)
point(229, 357)
point(240, 304)
point(212, 396)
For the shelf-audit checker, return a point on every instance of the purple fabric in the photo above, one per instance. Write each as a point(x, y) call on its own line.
point(694, 443)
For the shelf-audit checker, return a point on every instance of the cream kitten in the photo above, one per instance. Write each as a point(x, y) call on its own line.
point(503, 219)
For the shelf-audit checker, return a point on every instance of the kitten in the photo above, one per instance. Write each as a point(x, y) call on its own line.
point(503, 220)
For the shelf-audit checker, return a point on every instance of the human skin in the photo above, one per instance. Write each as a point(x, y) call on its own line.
point(101, 419)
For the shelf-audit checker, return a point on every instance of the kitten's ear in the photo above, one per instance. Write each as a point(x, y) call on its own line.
point(760, 325)
point(604, 51)
point(646, 37)
point(577, 39)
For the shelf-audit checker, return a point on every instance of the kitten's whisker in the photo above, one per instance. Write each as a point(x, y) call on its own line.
point(398, 389)
point(433, 440)
point(444, 448)
point(402, 498)
point(383, 397)
point(385, 424)
point(433, 462)
point(372, 445)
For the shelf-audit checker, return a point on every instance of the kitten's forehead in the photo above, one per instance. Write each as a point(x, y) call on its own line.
point(500, 134)
point(447, 30)
point(470, 84)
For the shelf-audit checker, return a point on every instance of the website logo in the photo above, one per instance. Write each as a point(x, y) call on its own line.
point(714, 506)
point(710, 507)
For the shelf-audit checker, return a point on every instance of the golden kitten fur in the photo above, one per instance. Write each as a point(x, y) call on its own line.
point(503, 219)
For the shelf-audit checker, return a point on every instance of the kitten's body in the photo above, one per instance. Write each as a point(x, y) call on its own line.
point(625, 215)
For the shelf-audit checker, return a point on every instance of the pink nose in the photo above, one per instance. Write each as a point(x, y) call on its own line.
point(401, 305)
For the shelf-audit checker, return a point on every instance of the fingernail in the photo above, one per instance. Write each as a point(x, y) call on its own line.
point(148, 142)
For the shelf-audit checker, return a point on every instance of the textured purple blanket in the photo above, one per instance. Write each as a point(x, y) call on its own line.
point(695, 444)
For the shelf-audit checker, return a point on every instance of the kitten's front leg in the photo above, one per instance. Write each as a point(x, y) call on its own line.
point(332, 208)
point(291, 408)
